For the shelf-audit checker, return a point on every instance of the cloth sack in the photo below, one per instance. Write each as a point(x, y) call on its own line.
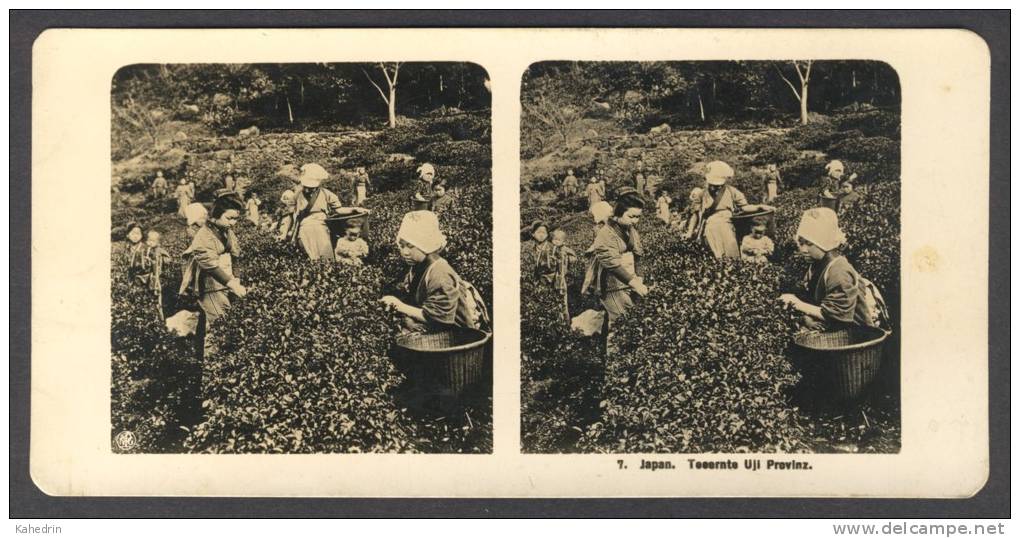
point(588, 322)
point(183, 323)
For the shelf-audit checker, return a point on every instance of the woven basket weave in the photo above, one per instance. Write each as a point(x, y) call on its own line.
point(845, 361)
point(451, 361)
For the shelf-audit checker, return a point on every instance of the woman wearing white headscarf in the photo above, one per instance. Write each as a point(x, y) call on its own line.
point(718, 202)
point(433, 287)
point(835, 289)
point(312, 204)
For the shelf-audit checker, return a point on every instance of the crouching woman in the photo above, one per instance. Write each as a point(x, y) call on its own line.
point(434, 288)
point(838, 294)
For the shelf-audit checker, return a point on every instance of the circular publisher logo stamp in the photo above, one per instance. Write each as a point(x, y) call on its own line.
point(126, 440)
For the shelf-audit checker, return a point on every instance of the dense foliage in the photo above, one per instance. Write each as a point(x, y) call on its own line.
point(702, 362)
point(303, 361)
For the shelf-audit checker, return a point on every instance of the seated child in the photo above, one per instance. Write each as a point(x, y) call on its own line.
point(441, 201)
point(756, 246)
point(351, 248)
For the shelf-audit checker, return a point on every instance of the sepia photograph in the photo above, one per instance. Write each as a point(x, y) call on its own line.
point(710, 257)
point(301, 258)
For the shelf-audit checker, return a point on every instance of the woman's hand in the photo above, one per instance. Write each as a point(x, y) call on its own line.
point(766, 207)
point(391, 302)
point(789, 299)
point(638, 285)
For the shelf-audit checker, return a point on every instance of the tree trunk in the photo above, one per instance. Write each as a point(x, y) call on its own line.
point(393, 106)
point(290, 111)
point(701, 108)
point(803, 104)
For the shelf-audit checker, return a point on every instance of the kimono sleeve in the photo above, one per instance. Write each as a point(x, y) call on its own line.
point(841, 296)
point(206, 252)
point(610, 257)
point(739, 200)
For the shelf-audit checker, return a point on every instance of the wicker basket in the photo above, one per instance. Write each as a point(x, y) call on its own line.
point(338, 224)
point(844, 361)
point(448, 361)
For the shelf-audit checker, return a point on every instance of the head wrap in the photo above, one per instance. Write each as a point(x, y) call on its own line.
point(421, 229)
point(718, 172)
point(821, 227)
point(833, 165)
point(312, 175)
point(427, 167)
point(601, 211)
point(195, 213)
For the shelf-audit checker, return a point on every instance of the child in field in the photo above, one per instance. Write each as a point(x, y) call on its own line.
point(152, 261)
point(441, 200)
point(757, 247)
point(562, 257)
point(351, 248)
point(135, 249)
point(252, 208)
point(693, 212)
point(848, 196)
point(538, 252)
point(196, 215)
point(662, 206)
point(288, 201)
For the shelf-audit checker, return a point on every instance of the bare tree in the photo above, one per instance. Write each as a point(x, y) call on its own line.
point(134, 120)
point(391, 71)
point(803, 69)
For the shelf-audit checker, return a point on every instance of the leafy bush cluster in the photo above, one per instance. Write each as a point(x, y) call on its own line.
point(303, 362)
point(702, 364)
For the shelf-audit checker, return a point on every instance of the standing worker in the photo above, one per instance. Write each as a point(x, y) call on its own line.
point(570, 184)
point(312, 205)
point(209, 274)
point(718, 203)
point(596, 191)
point(614, 270)
point(772, 179)
point(361, 182)
point(185, 193)
point(159, 186)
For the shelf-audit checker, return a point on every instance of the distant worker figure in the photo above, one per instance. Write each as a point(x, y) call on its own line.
point(426, 175)
point(570, 184)
point(361, 182)
point(596, 191)
point(251, 208)
point(185, 193)
point(718, 203)
point(772, 179)
point(159, 186)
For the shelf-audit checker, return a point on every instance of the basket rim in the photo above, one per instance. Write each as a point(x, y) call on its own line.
point(879, 338)
point(751, 215)
point(361, 212)
point(486, 336)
